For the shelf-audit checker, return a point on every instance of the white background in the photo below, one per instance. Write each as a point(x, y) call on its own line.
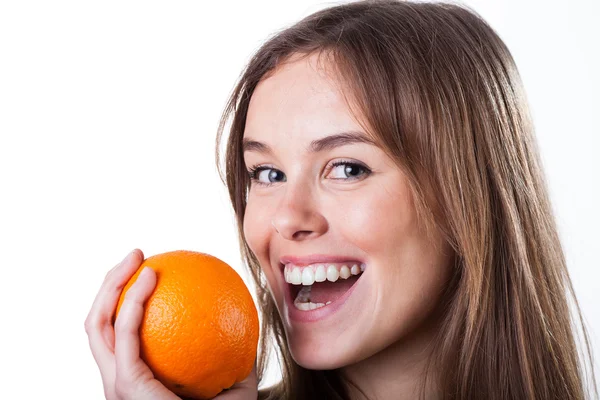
point(108, 114)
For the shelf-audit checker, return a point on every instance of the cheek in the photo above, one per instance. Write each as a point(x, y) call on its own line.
point(255, 230)
point(378, 219)
point(385, 226)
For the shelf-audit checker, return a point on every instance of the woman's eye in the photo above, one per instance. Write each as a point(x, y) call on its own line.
point(265, 176)
point(350, 170)
point(342, 170)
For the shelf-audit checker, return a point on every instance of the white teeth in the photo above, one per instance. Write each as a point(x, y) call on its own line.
point(320, 275)
point(308, 276)
point(296, 276)
point(302, 301)
point(345, 272)
point(332, 273)
point(308, 306)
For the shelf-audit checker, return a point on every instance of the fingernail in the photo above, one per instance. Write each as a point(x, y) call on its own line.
point(127, 257)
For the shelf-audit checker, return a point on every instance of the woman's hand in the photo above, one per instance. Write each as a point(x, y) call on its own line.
point(244, 390)
point(117, 350)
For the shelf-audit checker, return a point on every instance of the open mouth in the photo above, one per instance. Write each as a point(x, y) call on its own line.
point(317, 288)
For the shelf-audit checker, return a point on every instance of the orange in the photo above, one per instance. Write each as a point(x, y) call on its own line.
point(199, 333)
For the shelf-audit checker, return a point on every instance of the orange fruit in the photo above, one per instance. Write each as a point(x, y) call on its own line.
point(199, 333)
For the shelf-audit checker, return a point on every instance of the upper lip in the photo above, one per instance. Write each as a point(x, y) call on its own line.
point(314, 259)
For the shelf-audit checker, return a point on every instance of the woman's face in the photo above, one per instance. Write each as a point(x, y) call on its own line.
point(316, 214)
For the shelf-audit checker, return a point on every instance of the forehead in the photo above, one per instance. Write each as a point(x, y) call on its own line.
point(301, 100)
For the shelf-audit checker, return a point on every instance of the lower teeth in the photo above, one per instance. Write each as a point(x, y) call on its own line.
point(303, 302)
point(309, 306)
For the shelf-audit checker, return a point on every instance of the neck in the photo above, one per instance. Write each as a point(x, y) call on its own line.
point(397, 372)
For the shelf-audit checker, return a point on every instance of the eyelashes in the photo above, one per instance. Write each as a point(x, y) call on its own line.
point(255, 171)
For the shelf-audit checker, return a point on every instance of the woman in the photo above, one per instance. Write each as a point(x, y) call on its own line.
point(391, 207)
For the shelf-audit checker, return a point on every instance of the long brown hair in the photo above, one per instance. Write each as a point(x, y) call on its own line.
point(440, 90)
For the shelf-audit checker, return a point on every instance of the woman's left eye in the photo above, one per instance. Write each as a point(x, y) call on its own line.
point(351, 171)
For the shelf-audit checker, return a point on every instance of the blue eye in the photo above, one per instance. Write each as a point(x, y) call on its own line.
point(351, 171)
point(256, 171)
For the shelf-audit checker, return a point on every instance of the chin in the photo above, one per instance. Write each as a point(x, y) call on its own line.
point(319, 357)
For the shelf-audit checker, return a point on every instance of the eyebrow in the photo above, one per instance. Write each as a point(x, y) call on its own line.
point(318, 145)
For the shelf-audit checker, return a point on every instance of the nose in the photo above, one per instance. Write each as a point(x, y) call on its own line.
point(297, 216)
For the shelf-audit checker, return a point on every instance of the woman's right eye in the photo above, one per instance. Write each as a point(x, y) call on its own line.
point(267, 174)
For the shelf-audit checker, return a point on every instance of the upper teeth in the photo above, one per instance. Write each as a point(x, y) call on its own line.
point(309, 274)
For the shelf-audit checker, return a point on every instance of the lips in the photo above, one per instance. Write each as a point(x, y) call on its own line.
point(308, 260)
point(302, 316)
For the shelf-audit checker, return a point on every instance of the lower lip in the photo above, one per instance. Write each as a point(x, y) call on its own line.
point(318, 313)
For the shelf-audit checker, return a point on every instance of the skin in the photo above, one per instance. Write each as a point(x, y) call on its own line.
point(380, 339)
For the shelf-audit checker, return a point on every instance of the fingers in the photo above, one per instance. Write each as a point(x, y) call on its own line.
point(98, 323)
point(127, 325)
point(116, 349)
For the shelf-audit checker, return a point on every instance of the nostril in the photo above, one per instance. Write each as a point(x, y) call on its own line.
point(301, 234)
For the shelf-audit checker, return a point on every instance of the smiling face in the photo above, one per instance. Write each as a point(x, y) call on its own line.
point(300, 204)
